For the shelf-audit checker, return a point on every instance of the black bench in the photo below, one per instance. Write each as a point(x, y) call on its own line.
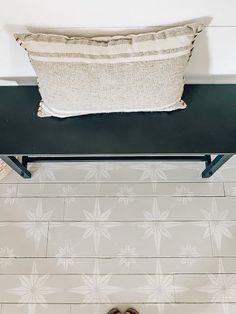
point(205, 128)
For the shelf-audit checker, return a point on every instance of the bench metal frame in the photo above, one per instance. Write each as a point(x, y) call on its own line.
point(21, 166)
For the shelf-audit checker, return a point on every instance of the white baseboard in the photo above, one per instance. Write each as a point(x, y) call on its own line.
point(211, 79)
point(8, 82)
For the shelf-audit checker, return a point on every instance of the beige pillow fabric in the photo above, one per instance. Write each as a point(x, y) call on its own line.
point(137, 72)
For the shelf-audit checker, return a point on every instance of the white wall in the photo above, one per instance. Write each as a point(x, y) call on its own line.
point(215, 52)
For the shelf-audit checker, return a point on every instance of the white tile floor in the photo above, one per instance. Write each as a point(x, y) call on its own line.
point(81, 238)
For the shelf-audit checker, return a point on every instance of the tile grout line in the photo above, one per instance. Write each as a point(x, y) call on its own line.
point(115, 196)
point(214, 247)
point(140, 257)
point(45, 197)
point(64, 208)
point(69, 221)
point(119, 275)
point(211, 240)
point(114, 257)
point(174, 284)
point(224, 189)
point(17, 190)
point(47, 241)
point(124, 303)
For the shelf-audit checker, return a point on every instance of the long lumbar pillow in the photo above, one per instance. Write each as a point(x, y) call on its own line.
point(137, 72)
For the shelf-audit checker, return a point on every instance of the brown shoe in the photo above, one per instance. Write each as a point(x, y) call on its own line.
point(131, 311)
point(114, 311)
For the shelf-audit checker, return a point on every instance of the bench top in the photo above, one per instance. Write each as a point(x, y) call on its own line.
point(207, 125)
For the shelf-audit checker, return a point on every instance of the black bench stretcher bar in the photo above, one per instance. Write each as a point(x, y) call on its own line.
point(206, 127)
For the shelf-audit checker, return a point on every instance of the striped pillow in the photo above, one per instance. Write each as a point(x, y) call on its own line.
point(137, 72)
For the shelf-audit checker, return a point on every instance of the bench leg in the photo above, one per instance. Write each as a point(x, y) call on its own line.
point(17, 166)
point(215, 164)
